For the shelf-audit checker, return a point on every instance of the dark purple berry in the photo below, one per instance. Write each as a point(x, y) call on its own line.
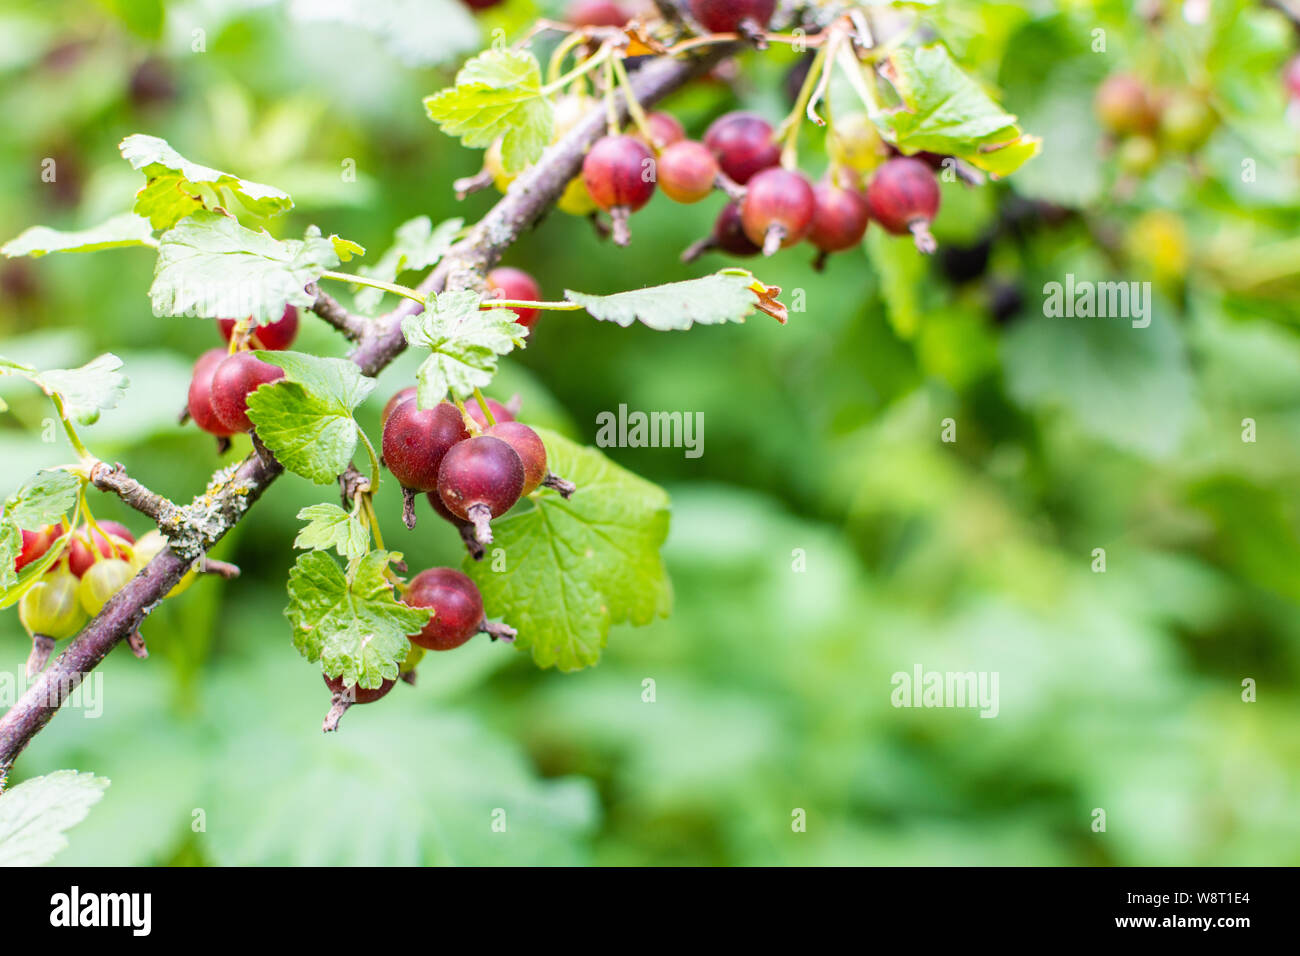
point(904, 197)
point(237, 377)
point(742, 143)
point(481, 478)
point(457, 608)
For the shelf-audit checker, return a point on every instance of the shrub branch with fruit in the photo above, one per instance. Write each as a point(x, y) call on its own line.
point(580, 535)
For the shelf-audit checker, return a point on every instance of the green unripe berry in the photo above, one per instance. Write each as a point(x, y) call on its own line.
point(51, 606)
point(101, 581)
point(148, 547)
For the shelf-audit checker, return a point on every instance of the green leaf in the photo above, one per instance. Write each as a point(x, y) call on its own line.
point(574, 568)
point(726, 297)
point(498, 95)
point(95, 387)
point(945, 111)
point(329, 526)
point(43, 499)
point(345, 249)
point(11, 545)
point(125, 230)
point(465, 341)
point(420, 33)
point(354, 624)
point(35, 814)
point(306, 417)
point(212, 267)
point(417, 244)
point(177, 188)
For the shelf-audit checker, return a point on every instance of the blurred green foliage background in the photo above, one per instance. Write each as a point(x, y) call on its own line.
point(1119, 690)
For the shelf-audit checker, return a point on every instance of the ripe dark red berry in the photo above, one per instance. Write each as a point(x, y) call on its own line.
point(903, 197)
point(237, 377)
point(499, 412)
point(777, 210)
point(200, 399)
point(618, 172)
point(403, 395)
point(507, 282)
point(528, 446)
point(414, 443)
point(729, 233)
point(274, 336)
point(687, 171)
point(727, 16)
point(479, 5)
point(457, 608)
point(840, 217)
point(595, 13)
point(481, 478)
point(341, 698)
point(742, 144)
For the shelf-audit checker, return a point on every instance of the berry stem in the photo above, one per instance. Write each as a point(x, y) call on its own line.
point(42, 648)
point(734, 190)
point(925, 241)
point(611, 109)
point(471, 425)
point(633, 104)
point(596, 59)
point(789, 128)
point(405, 291)
point(498, 630)
point(374, 459)
point(773, 238)
point(480, 516)
point(698, 248)
point(553, 481)
point(622, 232)
point(483, 405)
point(561, 306)
point(339, 705)
point(408, 508)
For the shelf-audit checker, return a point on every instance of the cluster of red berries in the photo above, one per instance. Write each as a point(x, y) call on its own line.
point(223, 379)
point(468, 479)
point(775, 207)
point(457, 616)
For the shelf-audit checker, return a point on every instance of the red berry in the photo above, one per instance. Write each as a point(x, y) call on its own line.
point(35, 544)
point(274, 336)
point(506, 282)
point(477, 5)
point(595, 13)
point(415, 441)
point(742, 143)
point(528, 446)
point(80, 557)
point(358, 695)
point(499, 412)
point(687, 171)
point(726, 16)
point(237, 377)
point(840, 217)
point(618, 173)
point(903, 197)
point(403, 395)
point(1122, 105)
point(200, 401)
point(1291, 76)
point(665, 129)
point(777, 210)
point(729, 235)
point(457, 608)
point(479, 479)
